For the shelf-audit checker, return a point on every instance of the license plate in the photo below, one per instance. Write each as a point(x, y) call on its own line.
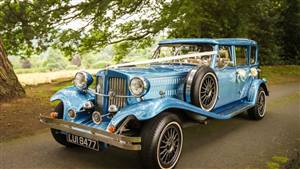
point(82, 141)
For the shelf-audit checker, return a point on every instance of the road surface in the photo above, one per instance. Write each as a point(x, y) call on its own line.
point(234, 143)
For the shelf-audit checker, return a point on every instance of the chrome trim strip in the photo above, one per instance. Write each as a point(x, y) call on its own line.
point(120, 141)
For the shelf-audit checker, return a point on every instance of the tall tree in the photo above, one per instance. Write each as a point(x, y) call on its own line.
point(29, 26)
point(253, 19)
point(9, 84)
point(290, 35)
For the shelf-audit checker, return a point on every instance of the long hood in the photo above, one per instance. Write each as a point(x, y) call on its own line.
point(154, 70)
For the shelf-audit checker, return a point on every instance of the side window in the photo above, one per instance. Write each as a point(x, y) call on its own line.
point(241, 55)
point(253, 55)
point(224, 57)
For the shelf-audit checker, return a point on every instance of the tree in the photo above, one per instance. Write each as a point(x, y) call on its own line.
point(30, 26)
point(9, 84)
point(290, 35)
point(54, 60)
point(232, 18)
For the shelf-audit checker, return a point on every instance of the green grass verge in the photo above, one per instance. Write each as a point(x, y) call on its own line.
point(281, 73)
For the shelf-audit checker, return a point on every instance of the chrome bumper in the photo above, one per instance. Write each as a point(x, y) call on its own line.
point(120, 141)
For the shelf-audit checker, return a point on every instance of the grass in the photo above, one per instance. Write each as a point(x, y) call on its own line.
point(277, 162)
point(281, 74)
point(280, 159)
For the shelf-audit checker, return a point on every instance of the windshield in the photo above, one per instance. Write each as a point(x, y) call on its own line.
point(184, 49)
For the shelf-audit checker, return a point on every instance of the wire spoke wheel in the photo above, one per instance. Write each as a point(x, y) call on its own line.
point(208, 92)
point(261, 103)
point(169, 145)
point(258, 111)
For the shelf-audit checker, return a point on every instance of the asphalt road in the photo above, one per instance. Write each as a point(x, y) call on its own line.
point(234, 143)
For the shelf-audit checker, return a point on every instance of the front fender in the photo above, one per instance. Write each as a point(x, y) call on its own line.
point(72, 98)
point(252, 93)
point(148, 109)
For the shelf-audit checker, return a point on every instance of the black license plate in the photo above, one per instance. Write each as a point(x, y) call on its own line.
point(82, 141)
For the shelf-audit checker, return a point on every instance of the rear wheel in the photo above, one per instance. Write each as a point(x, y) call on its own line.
point(57, 134)
point(259, 110)
point(162, 140)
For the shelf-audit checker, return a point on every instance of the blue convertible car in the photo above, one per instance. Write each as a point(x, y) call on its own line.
point(143, 105)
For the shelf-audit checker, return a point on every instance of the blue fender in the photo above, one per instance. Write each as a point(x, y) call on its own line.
point(72, 98)
point(148, 109)
point(252, 93)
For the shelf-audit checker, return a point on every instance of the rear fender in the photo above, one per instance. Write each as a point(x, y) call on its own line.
point(252, 94)
point(72, 98)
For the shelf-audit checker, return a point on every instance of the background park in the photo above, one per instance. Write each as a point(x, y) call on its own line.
point(44, 43)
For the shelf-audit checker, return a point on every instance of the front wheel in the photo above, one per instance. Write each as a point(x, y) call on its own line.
point(57, 135)
point(162, 140)
point(259, 110)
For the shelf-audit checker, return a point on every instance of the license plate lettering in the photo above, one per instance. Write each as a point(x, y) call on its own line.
point(82, 141)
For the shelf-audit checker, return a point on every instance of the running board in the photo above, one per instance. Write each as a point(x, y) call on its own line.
point(233, 110)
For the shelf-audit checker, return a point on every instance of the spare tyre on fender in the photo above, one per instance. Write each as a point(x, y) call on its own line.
point(202, 87)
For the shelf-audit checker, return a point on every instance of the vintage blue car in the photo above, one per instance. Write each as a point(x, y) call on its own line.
point(143, 105)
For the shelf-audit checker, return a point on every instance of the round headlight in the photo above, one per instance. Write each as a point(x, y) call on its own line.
point(137, 86)
point(82, 80)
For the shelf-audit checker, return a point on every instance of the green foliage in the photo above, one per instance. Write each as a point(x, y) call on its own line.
point(225, 19)
point(273, 165)
point(121, 50)
point(290, 35)
point(28, 27)
point(277, 162)
point(54, 60)
point(96, 60)
point(280, 159)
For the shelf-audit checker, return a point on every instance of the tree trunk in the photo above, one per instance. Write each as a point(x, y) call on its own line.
point(9, 83)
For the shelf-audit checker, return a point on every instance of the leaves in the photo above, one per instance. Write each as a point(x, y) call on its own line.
point(31, 26)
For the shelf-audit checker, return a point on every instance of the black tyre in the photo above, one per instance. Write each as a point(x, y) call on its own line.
point(162, 140)
point(57, 135)
point(259, 110)
point(204, 88)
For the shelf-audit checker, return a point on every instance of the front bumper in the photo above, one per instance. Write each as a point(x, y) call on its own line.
point(120, 141)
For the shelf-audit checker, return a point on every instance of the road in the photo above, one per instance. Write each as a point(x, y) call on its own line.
point(234, 143)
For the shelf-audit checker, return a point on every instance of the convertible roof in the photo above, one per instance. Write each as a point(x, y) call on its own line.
point(224, 41)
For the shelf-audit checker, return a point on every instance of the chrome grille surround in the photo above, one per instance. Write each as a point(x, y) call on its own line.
point(99, 89)
point(110, 91)
point(117, 86)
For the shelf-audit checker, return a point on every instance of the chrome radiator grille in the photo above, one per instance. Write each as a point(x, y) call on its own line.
point(118, 86)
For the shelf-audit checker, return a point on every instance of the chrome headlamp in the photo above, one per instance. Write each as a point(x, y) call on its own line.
point(138, 86)
point(82, 80)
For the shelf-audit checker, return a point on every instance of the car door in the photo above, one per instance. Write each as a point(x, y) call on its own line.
point(243, 79)
point(226, 73)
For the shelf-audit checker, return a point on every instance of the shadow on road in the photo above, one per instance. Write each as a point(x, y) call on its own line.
point(196, 137)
